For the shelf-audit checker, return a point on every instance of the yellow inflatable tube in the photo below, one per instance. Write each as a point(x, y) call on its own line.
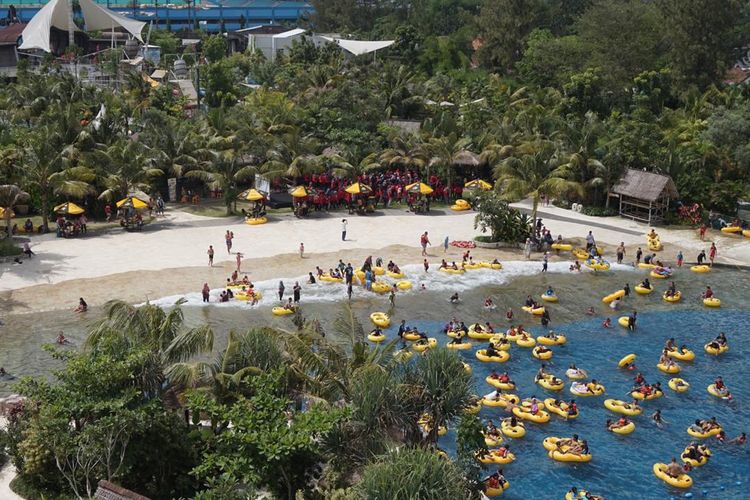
point(539, 354)
point(704, 435)
point(500, 357)
point(731, 229)
point(675, 368)
point(642, 290)
point(681, 481)
point(459, 346)
point(613, 296)
point(673, 298)
point(515, 432)
point(712, 302)
point(715, 352)
point(403, 285)
point(683, 355)
point(627, 360)
point(373, 337)
point(625, 429)
point(257, 221)
point(623, 321)
point(678, 385)
point(536, 312)
point(562, 246)
point(540, 417)
point(561, 339)
point(280, 311)
point(568, 457)
point(422, 346)
point(380, 319)
point(700, 269)
point(622, 407)
point(503, 386)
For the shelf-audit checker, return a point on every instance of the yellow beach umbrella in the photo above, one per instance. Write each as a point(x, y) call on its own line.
point(68, 208)
point(132, 201)
point(418, 188)
point(252, 195)
point(2, 213)
point(359, 188)
point(478, 184)
point(299, 192)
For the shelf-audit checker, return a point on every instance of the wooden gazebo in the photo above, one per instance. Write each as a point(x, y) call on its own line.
point(644, 196)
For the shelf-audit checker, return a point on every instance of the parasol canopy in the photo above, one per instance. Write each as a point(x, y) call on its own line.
point(132, 201)
point(252, 195)
point(359, 188)
point(2, 213)
point(418, 188)
point(478, 184)
point(68, 208)
point(299, 192)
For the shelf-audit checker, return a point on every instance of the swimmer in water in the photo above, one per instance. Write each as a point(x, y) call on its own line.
point(607, 323)
point(488, 304)
point(741, 439)
point(590, 311)
point(61, 339)
point(657, 418)
point(509, 314)
point(454, 298)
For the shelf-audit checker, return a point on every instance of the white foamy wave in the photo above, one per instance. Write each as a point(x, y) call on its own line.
point(434, 281)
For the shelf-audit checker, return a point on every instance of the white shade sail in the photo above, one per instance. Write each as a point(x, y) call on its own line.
point(360, 47)
point(36, 35)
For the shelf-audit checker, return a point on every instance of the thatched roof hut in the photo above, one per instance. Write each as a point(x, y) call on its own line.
point(644, 196)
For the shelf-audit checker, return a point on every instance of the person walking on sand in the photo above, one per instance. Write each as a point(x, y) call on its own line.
point(210, 253)
point(301, 250)
point(445, 244)
point(424, 240)
point(527, 248)
point(712, 253)
point(239, 262)
point(343, 229)
point(205, 292)
point(281, 290)
point(296, 292)
point(228, 240)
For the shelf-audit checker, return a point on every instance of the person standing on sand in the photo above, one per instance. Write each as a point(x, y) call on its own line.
point(205, 292)
point(228, 241)
point(239, 262)
point(424, 241)
point(445, 245)
point(210, 256)
point(702, 232)
point(281, 290)
point(296, 292)
point(712, 253)
point(343, 229)
point(680, 258)
point(621, 252)
point(301, 250)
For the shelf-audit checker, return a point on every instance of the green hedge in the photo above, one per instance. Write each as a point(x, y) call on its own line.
point(8, 248)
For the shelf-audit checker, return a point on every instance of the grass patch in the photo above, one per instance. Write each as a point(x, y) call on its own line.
point(8, 248)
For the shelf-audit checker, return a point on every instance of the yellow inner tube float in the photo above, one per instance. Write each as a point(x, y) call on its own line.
point(525, 342)
point(411, 336)
point(403, 285)
point(675, 368)
point(701, 269)
point(378, 270)
point(642, 290)
point(658, 276)
point(495, 457)
point(500, 357)
point(483, 335)
point(539, 354)
point(711, 389)
point(380, 319)
point(704, 435)
point(516, 432)
point(549, 298)
point(524, 413)
point(622, 407)
point(586, 390)
point(562, 246)
point(598, 266)
point(576, 374)
point(639, 395)
point(681, 481)
point(373, 337)
point(499, 343)
point(503, 386)
point(625, 429)
point(474, 407)
point(501, 400)
point(580, 254)
point(458, 345)
point(684, 354)
point(473, 265)
point(712, 302)
point(460, 208)
point(643, 265)
point(450, 270)
point(560, 340)
point(560, 411)
point(672, 298)
point(560, 456)
point(613, 296)
point(703, 450)
point(731, 229)
point(535, 311)
point(422, 345)
point(381, 287)
point(551, 383)
point(495, 492)
point(403, 355)
point(623, 321)
point(627, 360)
point(746, 233)
point(714, 351)
point(256, 221)
point(492, 440)
point(396, 276)
point(281, 311)
point(331, 279)
point(678, 385)
point(247, 296)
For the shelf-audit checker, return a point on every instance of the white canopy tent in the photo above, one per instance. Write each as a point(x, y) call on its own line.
point(360, 47)
point(58, 14)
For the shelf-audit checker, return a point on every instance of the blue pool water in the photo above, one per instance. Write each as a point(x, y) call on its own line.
point(621, 467)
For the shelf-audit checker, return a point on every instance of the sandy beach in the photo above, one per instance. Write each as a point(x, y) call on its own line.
point(169, 258)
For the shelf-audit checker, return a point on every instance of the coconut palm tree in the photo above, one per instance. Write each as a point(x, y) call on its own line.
point(404, 153)
point(292, 155)
point(531, 172)
point(128, 166)
point(161, 331)
point(10, 197)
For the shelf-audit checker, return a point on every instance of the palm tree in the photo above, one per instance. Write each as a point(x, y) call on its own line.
point(129, 166)
point(150, 326)
point(403, 153)
point(292, 155)
point(445, 153)
point(531, 172)
point(10, 197)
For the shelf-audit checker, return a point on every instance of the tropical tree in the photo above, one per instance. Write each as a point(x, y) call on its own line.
point(532, 172)
point(161, 331)
point(11, 196)
point(292, 154)
point(128, 166)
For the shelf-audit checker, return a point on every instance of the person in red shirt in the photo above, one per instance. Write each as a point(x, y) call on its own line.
point(708, 293)
point(712, 253)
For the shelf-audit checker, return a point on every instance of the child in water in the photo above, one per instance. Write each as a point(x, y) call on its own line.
point(607, 323)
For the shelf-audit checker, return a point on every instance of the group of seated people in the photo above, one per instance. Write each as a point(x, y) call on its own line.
point(645, 388)
point(67, 228)
point(574, 445)
point(392, 267)
point(403, 329)
point(542, 374)
point(456, 326)
point(503, 377)
point(445, 265)
point(575, 267)
point(531, 302)
point(703, 426)
point(496, 481)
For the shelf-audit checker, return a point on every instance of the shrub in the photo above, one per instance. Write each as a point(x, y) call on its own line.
point(8, 248)
point(503, 222)
point(599, 211)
